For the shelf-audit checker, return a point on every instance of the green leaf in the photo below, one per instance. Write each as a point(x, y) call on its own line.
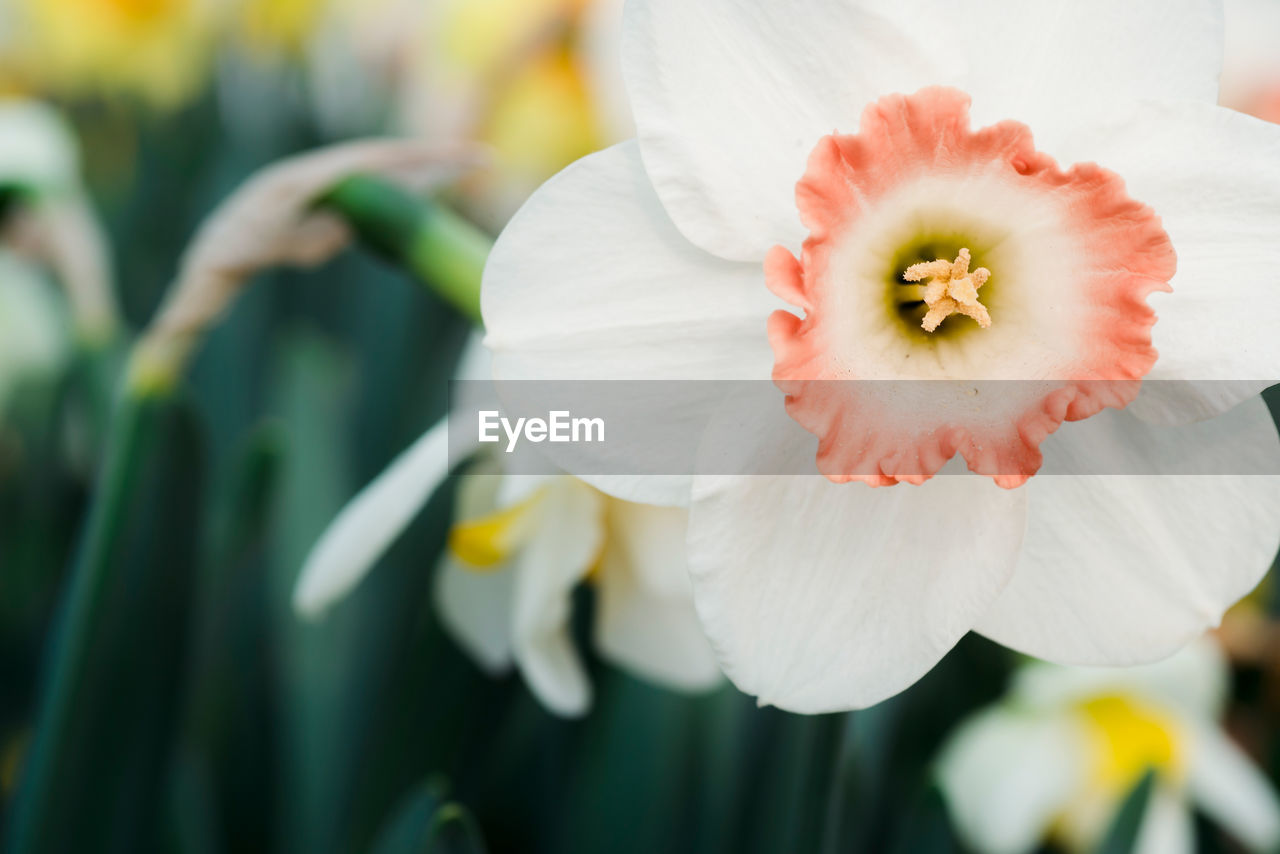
point(113, 675)
point(229, 675)
point(1126, 825)
point(454, 831)
point(411, 826)
point(801, 765)
point(426, 824)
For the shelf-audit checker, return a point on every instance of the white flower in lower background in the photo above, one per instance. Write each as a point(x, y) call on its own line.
point(520, 546)
point(52, 221)
point(39, 173)
point(37, 149)
point(34, 329)
point(1060, 753)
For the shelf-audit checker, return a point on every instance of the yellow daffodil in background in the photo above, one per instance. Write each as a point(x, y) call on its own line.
point(280, 26)
point(537, 80)
point(1059, 754)
point(157, 50)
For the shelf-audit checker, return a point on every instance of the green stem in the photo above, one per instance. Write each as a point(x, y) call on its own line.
point(433, 243)
point(110, 684)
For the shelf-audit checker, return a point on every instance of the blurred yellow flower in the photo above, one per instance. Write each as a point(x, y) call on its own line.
point(544, 118)
point(280, 26)
point(156, 49)
point(537, 80)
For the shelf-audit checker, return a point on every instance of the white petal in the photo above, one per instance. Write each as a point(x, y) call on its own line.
point(1193, 680)
point(34, 334)
point(1167, 826)
point(1213, 176)
point(476, 605)
point(1006, 775)
point(368, 525)
point(37, 149)
point(646, 621)
point(592, 281)
point(1126, 569)
point(475, 608)
point(1251, 65)
point(820, 596)
point(1233, 791)
point(602, 49)
point(730, 96)
point(1055, 65)
point(556, 558)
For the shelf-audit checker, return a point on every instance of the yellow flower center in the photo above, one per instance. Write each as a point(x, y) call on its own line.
point(1129, 738)
point(951, 289)
point(487, 542)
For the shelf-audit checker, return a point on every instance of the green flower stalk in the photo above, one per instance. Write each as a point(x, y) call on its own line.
point(136, 558)
point(428, 240)
point(294, 213)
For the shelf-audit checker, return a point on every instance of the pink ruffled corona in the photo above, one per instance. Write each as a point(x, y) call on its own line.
point(1063, 328)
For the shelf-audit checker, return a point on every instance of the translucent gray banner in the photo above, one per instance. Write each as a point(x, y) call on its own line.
point(864, 429)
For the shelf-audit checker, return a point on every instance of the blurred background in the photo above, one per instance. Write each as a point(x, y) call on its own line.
point(202, 714)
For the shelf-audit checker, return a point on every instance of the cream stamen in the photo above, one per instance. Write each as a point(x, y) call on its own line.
point(951, 289)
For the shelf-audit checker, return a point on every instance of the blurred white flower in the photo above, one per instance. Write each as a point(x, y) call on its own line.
point(34, 340)
point(655, 260)
point(1251, 62)
point(37, 150)
point(51, 221)
point(519, 547)
point(1059, 754)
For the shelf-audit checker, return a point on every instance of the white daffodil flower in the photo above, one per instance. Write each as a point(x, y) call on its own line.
point(34, 340)
point(520, 545)
point(1029, 258)
point(1059, 754)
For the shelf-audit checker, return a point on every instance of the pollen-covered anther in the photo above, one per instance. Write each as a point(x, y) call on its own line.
point(952, 289)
